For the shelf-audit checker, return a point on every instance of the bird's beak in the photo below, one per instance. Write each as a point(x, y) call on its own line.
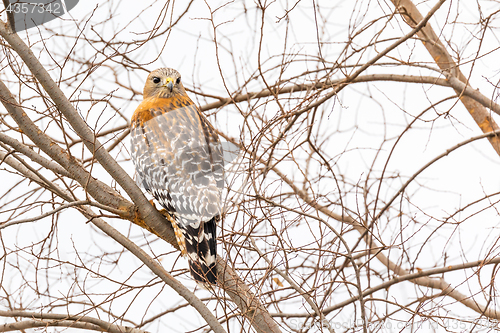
point(169, 84)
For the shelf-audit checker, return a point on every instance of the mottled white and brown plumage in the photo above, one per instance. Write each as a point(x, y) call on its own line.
point(178, 159)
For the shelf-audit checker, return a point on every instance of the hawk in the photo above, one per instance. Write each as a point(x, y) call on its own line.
point(178, 159)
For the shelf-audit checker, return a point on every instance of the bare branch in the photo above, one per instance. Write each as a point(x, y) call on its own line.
point(444, 60)
point(60, 320)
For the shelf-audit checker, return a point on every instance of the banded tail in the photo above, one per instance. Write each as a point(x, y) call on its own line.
point(197, 242)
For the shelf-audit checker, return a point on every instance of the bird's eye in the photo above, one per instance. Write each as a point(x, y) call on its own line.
point(156, 80)
point(178, 80)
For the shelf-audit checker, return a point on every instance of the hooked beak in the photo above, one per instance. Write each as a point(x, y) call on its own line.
point(169, 84)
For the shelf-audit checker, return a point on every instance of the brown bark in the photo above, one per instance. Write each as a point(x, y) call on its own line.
point(412, 16)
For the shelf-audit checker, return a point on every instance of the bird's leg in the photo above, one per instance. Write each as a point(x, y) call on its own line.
point(162, 211)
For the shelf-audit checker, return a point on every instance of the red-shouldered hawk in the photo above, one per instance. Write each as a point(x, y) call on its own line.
point(178, 159)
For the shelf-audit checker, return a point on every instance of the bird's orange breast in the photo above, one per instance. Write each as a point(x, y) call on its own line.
point(152, 106)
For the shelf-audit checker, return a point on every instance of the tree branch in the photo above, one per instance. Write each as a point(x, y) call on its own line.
point(147, 212)
point(148, 217)
point(61, 320)
point(444, 60)
point(159, 271)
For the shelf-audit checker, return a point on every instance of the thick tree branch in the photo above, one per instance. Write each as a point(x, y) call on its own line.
point(148, 217)
point(444, 60)
point(147, 212)
point(159, 271)
point(136, 250)
point(35, 157)
point(61, 320)
point(98, 190)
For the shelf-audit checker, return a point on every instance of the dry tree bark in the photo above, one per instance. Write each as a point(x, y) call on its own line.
point(411, 15)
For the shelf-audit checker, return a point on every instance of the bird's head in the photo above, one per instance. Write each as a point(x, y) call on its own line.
point(163, 82)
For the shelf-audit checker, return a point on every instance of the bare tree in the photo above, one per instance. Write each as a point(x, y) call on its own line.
point(363, 198)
